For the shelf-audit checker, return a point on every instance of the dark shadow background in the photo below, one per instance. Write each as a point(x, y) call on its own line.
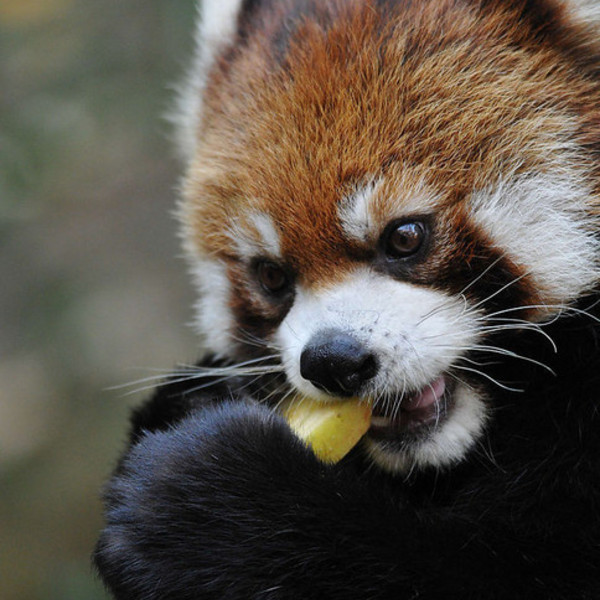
point(92, 291)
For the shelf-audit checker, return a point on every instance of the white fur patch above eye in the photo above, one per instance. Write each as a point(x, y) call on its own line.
point(364, 213)
point(255, 234)
point(355, 213)
point(267, 233)
point(539, 221)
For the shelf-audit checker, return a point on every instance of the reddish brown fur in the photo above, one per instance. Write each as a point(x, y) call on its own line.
point(433, 93)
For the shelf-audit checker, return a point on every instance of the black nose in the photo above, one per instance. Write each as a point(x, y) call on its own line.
point(337, 363)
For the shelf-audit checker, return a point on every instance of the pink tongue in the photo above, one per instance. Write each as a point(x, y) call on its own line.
point(427, 396)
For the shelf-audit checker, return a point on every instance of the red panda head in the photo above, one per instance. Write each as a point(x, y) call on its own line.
point(374, 187)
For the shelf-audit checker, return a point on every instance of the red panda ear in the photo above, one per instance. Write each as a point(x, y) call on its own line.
point(554, 19)
point(216, 29)
point(585, 11)
point(218, 22)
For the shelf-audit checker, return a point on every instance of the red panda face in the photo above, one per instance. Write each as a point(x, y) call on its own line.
point(378, 188)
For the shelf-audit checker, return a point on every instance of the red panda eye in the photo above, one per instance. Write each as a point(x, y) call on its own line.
point(272, 277)
point(404, 239)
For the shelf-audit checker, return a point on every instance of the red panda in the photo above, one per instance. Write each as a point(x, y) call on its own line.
point(393, 200)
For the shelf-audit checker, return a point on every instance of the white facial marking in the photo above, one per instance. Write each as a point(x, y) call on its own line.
point(447, 444)
point(214, 320)
point(408, 198)
point(538, 221)
point(364, 213)
point(416, 333)
point(268, 234)
point(215, 30)
point(255, 234)
point(355, 216)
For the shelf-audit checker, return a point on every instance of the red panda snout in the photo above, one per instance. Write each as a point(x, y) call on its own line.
point(399, 345)
point(337, 363)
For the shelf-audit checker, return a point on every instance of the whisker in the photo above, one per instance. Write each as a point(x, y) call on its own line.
point(461, 381)
point(499, 351)
point(500, 290)
point(481, 275)
point(206, 385)
point(446, 305)
point(508, 327)
point(203, 374)
point(488, 377)
point(276, 392)
point(450, 304)
point(189, 372)
point(564, 308)
point(289, 393)
point(251, 339)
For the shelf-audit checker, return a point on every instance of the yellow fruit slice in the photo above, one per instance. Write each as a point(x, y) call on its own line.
point(332, 428)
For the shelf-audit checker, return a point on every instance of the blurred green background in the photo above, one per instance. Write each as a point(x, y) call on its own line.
point(93, 293)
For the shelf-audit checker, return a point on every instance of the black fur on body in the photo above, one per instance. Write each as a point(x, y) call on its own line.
point(215, 498)
point(315, 132)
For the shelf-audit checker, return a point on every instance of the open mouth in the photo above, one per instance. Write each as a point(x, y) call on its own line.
point(412, 414)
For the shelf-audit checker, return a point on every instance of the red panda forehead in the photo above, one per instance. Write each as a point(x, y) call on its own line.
point(463, 103)
point(414, 114)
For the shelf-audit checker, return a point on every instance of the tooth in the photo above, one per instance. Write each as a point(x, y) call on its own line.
point(331, 428)
point(380, 421)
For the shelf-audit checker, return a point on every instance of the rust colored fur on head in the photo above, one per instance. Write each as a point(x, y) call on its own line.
point(395, 201)
point(450, 92)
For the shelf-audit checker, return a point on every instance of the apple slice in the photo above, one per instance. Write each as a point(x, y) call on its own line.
point(331, 428)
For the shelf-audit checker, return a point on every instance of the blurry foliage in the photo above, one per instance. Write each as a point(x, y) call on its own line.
point(22, 11)
point(91, 283)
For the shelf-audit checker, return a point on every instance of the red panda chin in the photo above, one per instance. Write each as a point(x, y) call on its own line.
point(434, 427)
point(435, 436)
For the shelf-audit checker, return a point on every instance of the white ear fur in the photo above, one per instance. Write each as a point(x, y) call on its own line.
point(585, 11)
point(216, 26)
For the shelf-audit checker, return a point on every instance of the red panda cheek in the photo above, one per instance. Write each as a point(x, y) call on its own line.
point(470, 264)
point(462, 260)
